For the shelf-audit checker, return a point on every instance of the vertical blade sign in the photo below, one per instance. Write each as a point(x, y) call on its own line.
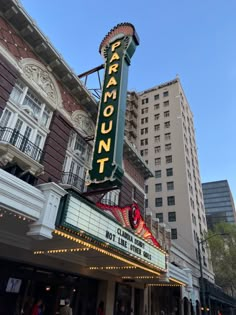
point(117, 49)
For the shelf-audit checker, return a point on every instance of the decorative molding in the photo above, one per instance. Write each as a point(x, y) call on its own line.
point(9, 57)
point(37, 74)
point(178, 274)
point(20, 196)
point(45, 225)
point(83, 122)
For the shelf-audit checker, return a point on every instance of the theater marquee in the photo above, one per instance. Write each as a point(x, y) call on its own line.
point(79, 216)
point(117, 49)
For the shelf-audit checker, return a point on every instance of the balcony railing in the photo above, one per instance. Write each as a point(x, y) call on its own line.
point(73, 180)
point(13, 137)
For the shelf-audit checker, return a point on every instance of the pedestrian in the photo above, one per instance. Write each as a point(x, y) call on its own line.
point(66, 309)
point(38, 308)
point(101, 308)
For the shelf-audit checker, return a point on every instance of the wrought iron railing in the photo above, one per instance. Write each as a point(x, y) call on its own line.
point(22, 143)
point(73, 180)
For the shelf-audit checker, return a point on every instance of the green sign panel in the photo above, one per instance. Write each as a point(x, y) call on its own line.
point(117, 49)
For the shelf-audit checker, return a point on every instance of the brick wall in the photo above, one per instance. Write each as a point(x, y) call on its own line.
point(126, 195)
point(8, 76)
point(133, 172)
point(55, 149)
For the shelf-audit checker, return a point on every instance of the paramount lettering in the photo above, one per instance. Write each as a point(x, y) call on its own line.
point(111, 94)
point(107, 168)
point(108, 110)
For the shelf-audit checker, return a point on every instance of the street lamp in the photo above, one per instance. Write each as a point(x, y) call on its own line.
point(202, 286)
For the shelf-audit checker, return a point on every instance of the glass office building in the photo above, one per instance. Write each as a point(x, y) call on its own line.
point(219, 203)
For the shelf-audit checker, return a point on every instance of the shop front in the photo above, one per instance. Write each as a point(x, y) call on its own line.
point(130, 259)
point(88, 255)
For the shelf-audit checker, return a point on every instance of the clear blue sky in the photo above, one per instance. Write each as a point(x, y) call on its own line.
point(194, 39)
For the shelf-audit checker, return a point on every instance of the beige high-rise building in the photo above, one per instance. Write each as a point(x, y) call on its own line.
point(166, 140)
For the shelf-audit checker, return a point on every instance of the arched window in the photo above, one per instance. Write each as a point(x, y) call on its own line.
point(25, 121)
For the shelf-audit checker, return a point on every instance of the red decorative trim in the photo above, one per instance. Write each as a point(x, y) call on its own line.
point(130, 217)
point(127, 29)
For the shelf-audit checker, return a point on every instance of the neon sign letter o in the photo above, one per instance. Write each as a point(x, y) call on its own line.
point(108, 111)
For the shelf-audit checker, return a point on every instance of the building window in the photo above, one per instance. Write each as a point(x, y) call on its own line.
point(169, 172)
point(168, 159)
point(170, 185)
point(173, 234)
point(167, 136)
point(167, 124)
point(171, 200)
point(144, 131)
point(77, 161)
point(157, 138)
point(144, 152)
point(25, 121)
point(144, 110)
point(146, 189)
point(156, 106)
point(166, 103)
point(144, 120)
point(157, 127)
point(158, 202)
point(167, 113)
point(145, 100)
point(157, 149)
point(79, 147)
point(160, 217)
point(157, 161)
point(158, 174)
point(158, 187)
point(172, 216)
point(144, 141)
point(134, 193)
point(165, 94)
point(31, 104)
point(146, 161)
point(146, 203)
point(168, 147)
point(156, 117)
point(156, 97)
point(111, 198)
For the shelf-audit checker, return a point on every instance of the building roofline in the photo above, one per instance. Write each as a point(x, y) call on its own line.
point(15, 14)
point(216, 181)
point(159, 86)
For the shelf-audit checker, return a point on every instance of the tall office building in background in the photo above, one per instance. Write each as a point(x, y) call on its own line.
point(166, 140)
point(219, 202)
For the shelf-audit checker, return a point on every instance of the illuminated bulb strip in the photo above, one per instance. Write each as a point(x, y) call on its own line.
point(177, 281)
point(60, 251)
point(106, 245)
point(163, 285)
point(112, 268)
point(103, 251)
point(140, 277)
point(4, 213)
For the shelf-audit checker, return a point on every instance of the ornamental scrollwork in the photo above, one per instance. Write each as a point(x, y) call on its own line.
point(38, 74)
point(83, 122)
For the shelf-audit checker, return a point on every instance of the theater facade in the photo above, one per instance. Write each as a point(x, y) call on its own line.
point(72, 219)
